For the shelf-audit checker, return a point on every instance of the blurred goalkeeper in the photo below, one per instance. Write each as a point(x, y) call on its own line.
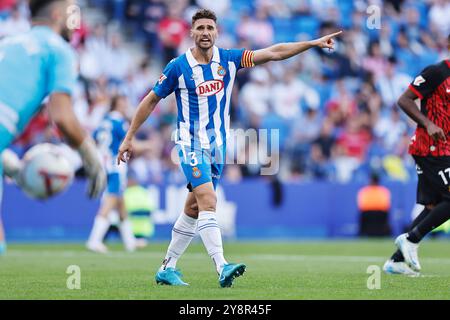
point(202, 80)
point(430, 148)
point(36, 65)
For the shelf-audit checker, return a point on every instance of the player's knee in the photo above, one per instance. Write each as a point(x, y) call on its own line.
point(191, 210)
point(207, 202)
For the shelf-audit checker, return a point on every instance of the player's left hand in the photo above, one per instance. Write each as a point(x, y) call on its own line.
point(12, 165)
point(327, 41)
point(435, 132)
point(94, 169)
point(125, 151)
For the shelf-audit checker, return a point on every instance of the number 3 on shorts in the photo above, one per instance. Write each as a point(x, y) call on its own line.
point(192, 155)
point(194, 160)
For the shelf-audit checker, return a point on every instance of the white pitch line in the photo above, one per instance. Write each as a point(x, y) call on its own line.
point(263, 257)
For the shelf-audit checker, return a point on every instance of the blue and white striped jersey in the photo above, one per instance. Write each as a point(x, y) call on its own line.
point(108, 136)
point(203, 94)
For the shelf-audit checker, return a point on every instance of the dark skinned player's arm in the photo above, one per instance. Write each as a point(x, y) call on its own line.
point(408, 105)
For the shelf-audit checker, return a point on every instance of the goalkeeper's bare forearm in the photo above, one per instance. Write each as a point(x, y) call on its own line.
point(144, 110)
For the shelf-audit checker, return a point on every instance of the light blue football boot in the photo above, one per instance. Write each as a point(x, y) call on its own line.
point(171, 277)
point(229, 273)
point(2, 248)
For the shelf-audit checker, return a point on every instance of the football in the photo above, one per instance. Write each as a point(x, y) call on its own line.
point(46, 171)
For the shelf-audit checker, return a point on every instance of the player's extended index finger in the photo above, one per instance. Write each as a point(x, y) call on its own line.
point(335, 34)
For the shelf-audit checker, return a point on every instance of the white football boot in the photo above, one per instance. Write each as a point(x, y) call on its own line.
point(392, 267)
point(97, 247)
point(409, 251)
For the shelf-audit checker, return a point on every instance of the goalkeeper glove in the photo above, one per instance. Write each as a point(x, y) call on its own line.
point(93, 167)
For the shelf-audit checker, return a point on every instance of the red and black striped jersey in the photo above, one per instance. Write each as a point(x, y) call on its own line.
point(432, 87)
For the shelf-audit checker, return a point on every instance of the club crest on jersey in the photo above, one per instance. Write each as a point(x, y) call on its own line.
point(209, 88)
point(221, 71)
point(162, 77)
point(196, 173)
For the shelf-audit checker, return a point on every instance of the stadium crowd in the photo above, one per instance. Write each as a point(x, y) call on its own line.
point(336, 111)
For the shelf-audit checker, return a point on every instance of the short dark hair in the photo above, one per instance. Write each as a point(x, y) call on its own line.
point(37, 6)
point(204, 14)
point(115, 101)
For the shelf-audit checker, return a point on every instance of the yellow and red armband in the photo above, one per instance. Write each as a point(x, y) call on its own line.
point(247, 59)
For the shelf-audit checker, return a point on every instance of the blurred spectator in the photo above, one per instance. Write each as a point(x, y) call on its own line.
point(318, 165)
point(392, 84)
point(255, 95)
point(291, 95)
point(354, 139)
point(141, 81)
point(374, 204)
point(326, 138)
point(6, 6)
point(144, 17)
point(390, 129)
point(439, 16)
point(219, 7)
point(307, 128)
point(257, 30)
point(326, 105)
point(375, 62)
point(117, 60)
point(16, 23)
point(140, 207)
point(172, 29)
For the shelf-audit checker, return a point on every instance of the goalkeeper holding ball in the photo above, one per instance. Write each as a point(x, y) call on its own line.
point(41, 64)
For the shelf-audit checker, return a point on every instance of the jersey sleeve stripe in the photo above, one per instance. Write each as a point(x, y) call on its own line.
point(245, 59)
point(417, 93)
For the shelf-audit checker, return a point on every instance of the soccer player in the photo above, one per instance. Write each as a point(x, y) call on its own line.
point(430, 148)
point(2, 239)
point(202, 80)
point(40, 64)
point(108, 136)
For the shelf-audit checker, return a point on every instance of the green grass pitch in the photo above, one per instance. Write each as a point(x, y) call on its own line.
point(275, 270)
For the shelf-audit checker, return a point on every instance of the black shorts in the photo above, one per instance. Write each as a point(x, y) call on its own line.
point(434, 179)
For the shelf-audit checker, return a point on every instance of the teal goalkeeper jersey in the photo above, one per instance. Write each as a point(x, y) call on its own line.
point(33, 65)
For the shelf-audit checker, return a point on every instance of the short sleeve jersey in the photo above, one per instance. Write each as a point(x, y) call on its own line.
point(432, 87)
point(203, 94)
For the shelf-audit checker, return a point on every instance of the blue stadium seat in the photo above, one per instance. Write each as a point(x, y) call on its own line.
point(283, 30)
point(241, 6)
point(346, 9)
point(306, 24)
